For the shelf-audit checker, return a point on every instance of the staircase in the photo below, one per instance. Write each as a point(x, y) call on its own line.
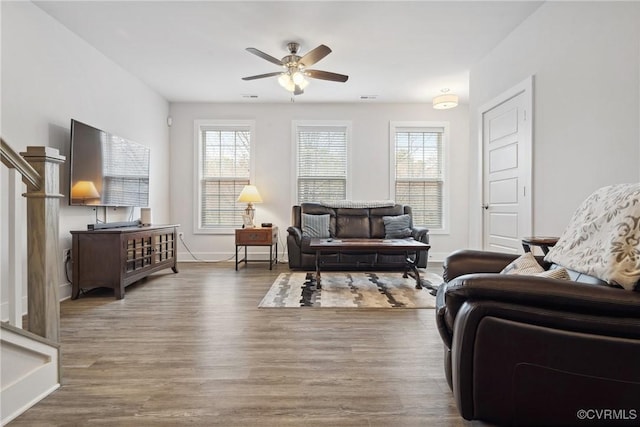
point(30, 370)
point(30, 360)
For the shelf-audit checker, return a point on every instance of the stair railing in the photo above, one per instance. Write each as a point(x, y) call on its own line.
point(39, 168)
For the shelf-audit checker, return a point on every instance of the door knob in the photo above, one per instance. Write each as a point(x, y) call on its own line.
point(485, 206)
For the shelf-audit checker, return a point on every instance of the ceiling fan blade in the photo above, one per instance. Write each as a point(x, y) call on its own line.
point(262, 76)
point(263, 55)
point(315, 55)
point(298, 90)
point(326, 75)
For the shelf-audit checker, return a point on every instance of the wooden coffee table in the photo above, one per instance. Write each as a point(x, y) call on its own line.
point(387, 246)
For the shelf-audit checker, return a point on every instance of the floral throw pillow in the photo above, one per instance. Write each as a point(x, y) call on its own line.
point(603, 237)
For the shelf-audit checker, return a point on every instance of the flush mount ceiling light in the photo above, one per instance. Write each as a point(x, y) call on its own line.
point(445, 101)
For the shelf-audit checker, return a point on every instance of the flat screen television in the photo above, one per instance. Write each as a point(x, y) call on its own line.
point(107, 170)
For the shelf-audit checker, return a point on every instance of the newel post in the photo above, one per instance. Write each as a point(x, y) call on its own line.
point(43, 250)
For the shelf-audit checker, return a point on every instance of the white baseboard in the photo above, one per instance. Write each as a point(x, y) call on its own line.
point(64, 294)
point(34, 375)
point(438, 256)
point(65, 291)
point(4, 309)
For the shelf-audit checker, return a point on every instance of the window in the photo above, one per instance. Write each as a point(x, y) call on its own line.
point(224, 166)
point(125, 169)
point(322, 161)
point(418, 171)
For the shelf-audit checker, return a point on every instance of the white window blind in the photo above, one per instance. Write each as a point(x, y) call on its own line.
point(322, 163)
point(125, 171)
point(225, 167)
point(419, 173)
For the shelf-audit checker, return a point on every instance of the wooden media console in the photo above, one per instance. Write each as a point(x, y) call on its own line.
point(116, 257)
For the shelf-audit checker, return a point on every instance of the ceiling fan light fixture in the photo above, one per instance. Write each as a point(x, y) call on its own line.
point(298, 77)
point(445, 101)
point(295, 74)
point(291, 86)
point(283, 79)
point(290, 81)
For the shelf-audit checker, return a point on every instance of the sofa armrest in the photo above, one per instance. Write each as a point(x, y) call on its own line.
point(296, 233)
point(421, 234)
point(294, 247)
point(468, 261)
point(536, 293)
point(553, 294)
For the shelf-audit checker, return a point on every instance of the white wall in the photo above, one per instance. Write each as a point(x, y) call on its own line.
point(584, 57)
point(273, 163)
point(49, 76)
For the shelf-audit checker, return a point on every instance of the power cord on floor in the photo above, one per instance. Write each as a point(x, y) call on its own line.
point(67, 261)
point(181, 237)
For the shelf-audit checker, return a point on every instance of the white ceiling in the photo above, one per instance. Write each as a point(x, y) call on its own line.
point(195, 51)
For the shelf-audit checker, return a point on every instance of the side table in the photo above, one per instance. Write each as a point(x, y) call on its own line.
point(543, 242)
point(258, 236)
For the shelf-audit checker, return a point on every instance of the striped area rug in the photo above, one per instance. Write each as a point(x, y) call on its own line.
point(351, 290)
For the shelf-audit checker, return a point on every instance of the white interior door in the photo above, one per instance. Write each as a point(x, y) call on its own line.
point(507, 160)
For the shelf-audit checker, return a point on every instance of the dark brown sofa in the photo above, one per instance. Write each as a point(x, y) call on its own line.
point(526, 350)
point(350, 223)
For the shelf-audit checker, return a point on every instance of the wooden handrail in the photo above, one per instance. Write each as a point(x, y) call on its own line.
point(13, 160)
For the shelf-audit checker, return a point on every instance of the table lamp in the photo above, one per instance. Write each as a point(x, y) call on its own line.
point(250, 195)
point(84, 190)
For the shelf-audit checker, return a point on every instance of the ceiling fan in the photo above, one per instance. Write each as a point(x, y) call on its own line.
point(293, 78)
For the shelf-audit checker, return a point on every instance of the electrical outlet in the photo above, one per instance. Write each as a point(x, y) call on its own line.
point(180, 235)
point(66, 254)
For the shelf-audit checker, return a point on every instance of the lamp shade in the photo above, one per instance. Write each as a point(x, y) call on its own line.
point(84, 190)
point(249, 194)
point(443, 102)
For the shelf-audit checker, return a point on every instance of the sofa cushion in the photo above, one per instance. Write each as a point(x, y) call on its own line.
point(397, 227)
point(352, 223)
point(315, 226)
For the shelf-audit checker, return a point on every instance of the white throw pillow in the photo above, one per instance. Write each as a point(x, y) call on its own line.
point(526, 265)
point(559, 273)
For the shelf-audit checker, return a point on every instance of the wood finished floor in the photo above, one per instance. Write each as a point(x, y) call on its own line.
point(193, 349)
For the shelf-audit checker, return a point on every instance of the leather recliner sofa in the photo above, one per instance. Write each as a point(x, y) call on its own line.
point(522, 348)
point(527, 350)
point(345, 223)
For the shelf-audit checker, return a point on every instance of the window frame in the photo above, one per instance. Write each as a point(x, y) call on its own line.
point(199, 126)
point(419, 126)
point(295, 125)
